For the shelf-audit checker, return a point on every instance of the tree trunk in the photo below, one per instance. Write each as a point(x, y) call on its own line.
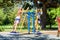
point(43, 17)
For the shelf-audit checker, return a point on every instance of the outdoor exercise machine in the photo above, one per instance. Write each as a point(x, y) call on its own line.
point(23, 19)
point(31, 13)
point(38, 19)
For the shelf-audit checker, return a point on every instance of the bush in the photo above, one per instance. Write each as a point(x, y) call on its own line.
point(26, 5)
point(7, 15)
point(1, 29)
point(52, 13)
point(2, 16)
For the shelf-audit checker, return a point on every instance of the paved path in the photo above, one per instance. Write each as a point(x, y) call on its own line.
point(47, 35)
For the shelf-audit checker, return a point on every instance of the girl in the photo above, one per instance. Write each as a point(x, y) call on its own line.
point(58, 20)
point(38, 19)
point(17, 20)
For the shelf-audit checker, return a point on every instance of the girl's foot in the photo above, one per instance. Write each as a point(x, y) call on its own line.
point(38, 33)
point(13, 32)
point(28, 32)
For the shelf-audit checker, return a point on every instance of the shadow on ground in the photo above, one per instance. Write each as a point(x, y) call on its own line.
point(25, 37)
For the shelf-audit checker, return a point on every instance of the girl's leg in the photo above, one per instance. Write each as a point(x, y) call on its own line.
point(58, 29)
point(14, 27)
point(36, 25)
point(58, 33)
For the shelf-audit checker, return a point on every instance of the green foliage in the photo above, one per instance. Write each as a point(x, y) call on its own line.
point(12, 15)
point(1, 16)
point(1, 29)
point(1, 0)
point(58, 11)
point(52, 13)
point(7, 15)
point(26, 5)
point(9, 3)
point(6, 2)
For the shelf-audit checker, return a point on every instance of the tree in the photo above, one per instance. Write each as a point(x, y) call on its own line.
point(46, 4)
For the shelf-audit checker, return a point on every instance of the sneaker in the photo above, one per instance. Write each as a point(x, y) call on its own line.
point(13, 32)
point(38, 33)
point(28, 32)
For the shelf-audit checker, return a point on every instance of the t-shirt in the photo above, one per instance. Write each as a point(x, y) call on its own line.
point(39, 14)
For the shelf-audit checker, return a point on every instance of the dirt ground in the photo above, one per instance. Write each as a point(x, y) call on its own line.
point(52, 32)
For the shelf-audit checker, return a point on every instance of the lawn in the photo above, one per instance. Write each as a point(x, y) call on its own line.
point(8, 28)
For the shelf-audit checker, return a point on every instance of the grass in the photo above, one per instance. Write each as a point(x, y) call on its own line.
point(8, 28)
point(53, 26)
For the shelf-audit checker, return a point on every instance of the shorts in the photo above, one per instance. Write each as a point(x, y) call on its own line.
point(39, 16)
point(39, 21)
point(17, 20)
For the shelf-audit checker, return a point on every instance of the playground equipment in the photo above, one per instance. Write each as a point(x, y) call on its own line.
point(38, 19)
point(31, 14)
point(22, 23)
point(23, 20)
